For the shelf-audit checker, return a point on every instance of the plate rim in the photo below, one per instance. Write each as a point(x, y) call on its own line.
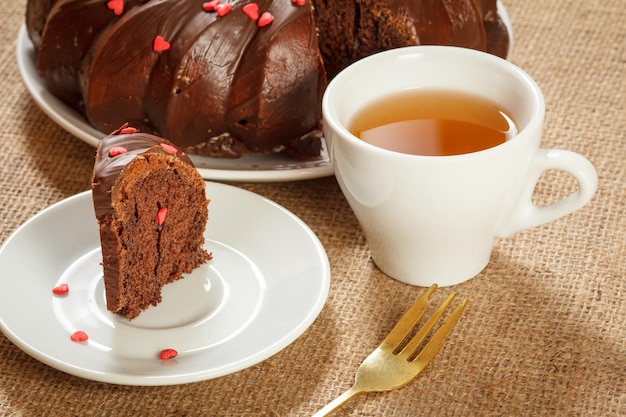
point(281, 341)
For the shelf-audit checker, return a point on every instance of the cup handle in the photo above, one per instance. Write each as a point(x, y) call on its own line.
point(526, 214)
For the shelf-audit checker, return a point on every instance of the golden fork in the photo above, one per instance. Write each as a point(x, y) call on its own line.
point(394, 363)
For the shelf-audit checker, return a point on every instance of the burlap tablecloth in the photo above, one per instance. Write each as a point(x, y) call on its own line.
point(545, 331)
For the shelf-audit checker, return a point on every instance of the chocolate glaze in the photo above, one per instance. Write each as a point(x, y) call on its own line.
point(442, 22)
point(71, 27)
point(36, 15)
point(107, 169)
point(224, 81)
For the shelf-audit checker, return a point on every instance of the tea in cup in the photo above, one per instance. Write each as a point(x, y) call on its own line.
point(437, 151)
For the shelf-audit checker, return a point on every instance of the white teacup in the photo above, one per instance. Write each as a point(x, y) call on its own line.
point(434, 219)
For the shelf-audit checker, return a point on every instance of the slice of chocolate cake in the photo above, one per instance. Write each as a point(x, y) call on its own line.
point(152, 211)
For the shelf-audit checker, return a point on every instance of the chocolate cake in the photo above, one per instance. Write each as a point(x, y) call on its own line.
point(226, 78)
point(152, 210)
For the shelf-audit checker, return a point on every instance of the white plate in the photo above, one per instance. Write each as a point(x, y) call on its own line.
point(267, 283)
point(276, 167)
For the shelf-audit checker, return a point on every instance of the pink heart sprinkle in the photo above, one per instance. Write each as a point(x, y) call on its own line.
point(169, 148)
point(209, 6)
point(161, 215)
point(117, 6)
point(251, 10)
point(299, 2)
point(117, 150)
point(160, 44)
point(79, 336)
point(168, 353)
point(61, 289)
point(265, 19)
point(223, 9)
point(128, 130)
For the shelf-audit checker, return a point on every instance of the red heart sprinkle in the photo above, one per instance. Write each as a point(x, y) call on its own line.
point(168, 353)
point(299, 2)
point(61, 289)
point(117, 150)
point(117, 6)
point(128, 130)
point(169, 148)
point(223, 9)
point(209, 6)
point(251, 10)
point(161, 215)
point(265, 19)
point(79, 336)
point(160, 44)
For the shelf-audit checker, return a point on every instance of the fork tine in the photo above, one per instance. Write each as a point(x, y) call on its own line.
point(414, 343)
point(436, 342)
point(404, 326)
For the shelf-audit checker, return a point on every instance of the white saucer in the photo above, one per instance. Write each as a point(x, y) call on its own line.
point(267, 283)
point(266, 168)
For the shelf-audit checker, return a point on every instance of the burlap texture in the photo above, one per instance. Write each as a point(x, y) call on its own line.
point(545, 331)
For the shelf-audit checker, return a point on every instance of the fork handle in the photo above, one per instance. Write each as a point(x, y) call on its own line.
point(338, 402)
